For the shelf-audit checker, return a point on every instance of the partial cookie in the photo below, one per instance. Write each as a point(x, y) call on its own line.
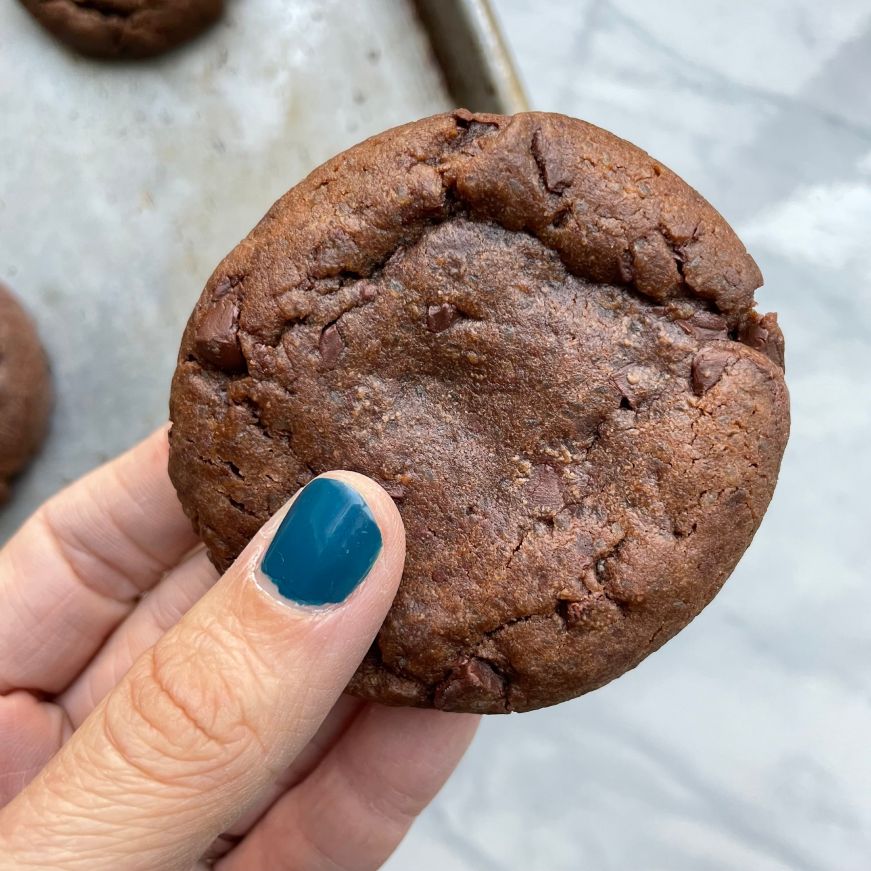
point(124, 28)
point(25, 389)
point(543, 344)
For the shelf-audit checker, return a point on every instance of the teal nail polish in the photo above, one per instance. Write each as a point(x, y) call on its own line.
point(325, 546)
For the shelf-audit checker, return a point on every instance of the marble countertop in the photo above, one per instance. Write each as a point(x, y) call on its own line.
point(744, 743)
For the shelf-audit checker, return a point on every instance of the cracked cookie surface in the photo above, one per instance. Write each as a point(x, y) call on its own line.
point(25, 390)
point(124, 28)
point(543, 344)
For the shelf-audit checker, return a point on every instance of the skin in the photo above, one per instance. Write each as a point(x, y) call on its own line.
point(203, 723)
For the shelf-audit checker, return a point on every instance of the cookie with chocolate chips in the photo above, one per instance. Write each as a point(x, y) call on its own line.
point(544, 345)
point(25, 390)
point(124, 28)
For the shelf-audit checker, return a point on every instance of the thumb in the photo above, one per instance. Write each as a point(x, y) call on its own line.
point(206, 719)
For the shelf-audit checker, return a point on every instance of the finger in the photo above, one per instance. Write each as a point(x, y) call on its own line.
point(158, 612)
point(355, 808)
point(206, 719)
point(338, 721)
point(31, 732)
point(73, 571)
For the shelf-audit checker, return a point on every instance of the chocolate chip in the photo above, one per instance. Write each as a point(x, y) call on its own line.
point(224, 286)
point(753, 336)
point(705, 326)
point(440, 317)
point(395, 490)
point(554, 165)
point(470, 685)
point(763, 334)
point(708, 367)
point(368, 292)
point(217, 337)
point(544, 488)
point(331, 345)
point(574, 612)
point(654, 268)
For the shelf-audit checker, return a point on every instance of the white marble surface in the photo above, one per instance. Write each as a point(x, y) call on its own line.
point(746, 742)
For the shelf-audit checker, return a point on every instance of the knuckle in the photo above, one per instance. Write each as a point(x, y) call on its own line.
point(179, 715)
point(379, 815)
point(389, 809)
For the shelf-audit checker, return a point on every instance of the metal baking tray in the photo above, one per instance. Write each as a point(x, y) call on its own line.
point(123, 185)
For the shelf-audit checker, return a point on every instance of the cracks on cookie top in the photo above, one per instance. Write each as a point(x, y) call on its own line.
point(334, 281)
point(706, 499)
point(220, 463)
point(561, 217)
point(329, 286)
point(524, 534)
point(250, 403)
point(595, 610)
point(681, 533)
point(648, 269)
point(739, 495)
point(655, 635)
point(679, 260)
point(678, 248)
point(224, 466)
point(470, 128)
point(454, 205)
point(605, 573)
point(339, 275)
point(597, 435)
point(272, 437)
point(243, 509)
point(490, 634)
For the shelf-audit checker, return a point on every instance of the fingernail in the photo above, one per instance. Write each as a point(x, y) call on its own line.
point(325, 546)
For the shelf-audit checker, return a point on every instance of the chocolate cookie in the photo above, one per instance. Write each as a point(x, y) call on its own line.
point(25, 389)
point(543, 344)
point(124, 28)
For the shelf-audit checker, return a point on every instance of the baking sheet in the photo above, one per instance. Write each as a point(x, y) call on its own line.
point(123, 185)
point(473, 55)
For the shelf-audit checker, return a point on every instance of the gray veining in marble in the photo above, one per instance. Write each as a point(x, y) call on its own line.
point(744, 743)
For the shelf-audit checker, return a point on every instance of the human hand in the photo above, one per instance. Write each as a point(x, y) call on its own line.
point(204, 722)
